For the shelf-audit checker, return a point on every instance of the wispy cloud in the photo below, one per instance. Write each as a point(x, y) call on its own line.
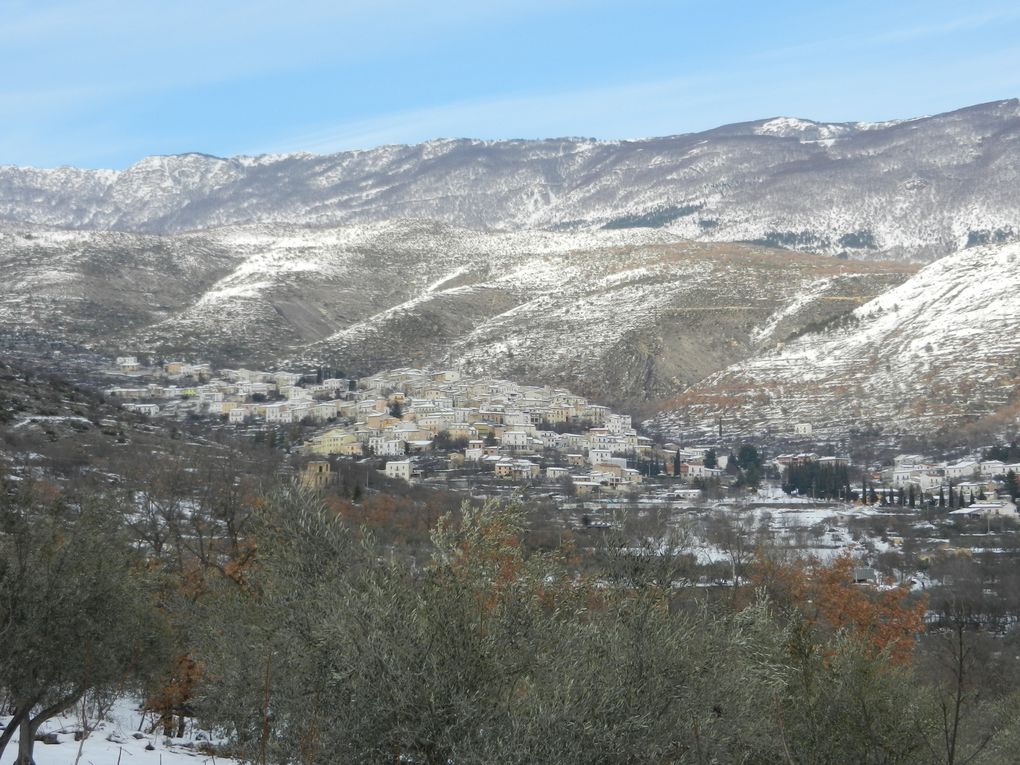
point(153, 43)
point(321, 75)
point(616, 110)
point(973, 19)
point(968, 20)
point(679, 104)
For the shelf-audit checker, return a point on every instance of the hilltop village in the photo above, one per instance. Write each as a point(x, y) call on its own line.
point(415, 422)
point(515, 431)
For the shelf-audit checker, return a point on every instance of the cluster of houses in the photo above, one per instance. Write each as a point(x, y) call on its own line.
point(969, 478)
point(488, 424)
point(518, 432)
point(241, 395)
point(976, 486)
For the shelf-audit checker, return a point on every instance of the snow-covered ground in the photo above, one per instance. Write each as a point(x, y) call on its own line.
point(116, 741)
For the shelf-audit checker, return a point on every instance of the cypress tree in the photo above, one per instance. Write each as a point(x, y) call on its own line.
point(1010, 484)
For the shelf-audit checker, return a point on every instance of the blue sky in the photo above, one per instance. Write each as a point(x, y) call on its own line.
point(103, 83)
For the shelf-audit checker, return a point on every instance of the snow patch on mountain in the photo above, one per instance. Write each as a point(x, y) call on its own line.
point(941, 349)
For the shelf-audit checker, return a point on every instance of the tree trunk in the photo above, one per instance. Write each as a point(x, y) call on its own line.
point(26, 740)
point(30, 725)
point(20, 712)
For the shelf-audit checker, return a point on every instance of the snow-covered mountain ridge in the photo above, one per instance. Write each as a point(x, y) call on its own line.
point(940, 350)
point(919, 188)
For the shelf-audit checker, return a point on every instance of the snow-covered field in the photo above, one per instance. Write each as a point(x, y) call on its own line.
point(117, 740)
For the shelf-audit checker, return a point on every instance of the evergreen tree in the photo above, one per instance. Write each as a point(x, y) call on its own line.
point(997, 452)
point(1010, 484)
point(820, 480)
point(748, 457)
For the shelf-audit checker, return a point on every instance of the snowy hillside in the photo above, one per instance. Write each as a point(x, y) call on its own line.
point(622, 315)
point(943, 348)
point(917, 188)
point(623, 325)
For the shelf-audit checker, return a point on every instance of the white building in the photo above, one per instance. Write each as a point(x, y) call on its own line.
point(515, 439)
point(382, 446)
point(398, 469)
point(961, 470)
point(996, 509)
point(993, 467)
point(618, 423)
point(279, 412)
point(146, 409)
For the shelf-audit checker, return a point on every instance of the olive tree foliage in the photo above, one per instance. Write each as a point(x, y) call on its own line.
point(970, 661)
point(77, 616)
point(844, 703)
point(335, 651)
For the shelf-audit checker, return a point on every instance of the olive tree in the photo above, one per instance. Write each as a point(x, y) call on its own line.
point(76, 615)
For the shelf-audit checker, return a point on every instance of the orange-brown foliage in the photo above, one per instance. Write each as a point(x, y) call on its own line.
point(827, 598)
point(174, 697)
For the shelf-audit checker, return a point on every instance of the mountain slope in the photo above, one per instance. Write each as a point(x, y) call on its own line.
point(624, 325)
point(98, 286)
point(623, 315)
point(919, 188)
point(940, 350)
point(296, 285)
